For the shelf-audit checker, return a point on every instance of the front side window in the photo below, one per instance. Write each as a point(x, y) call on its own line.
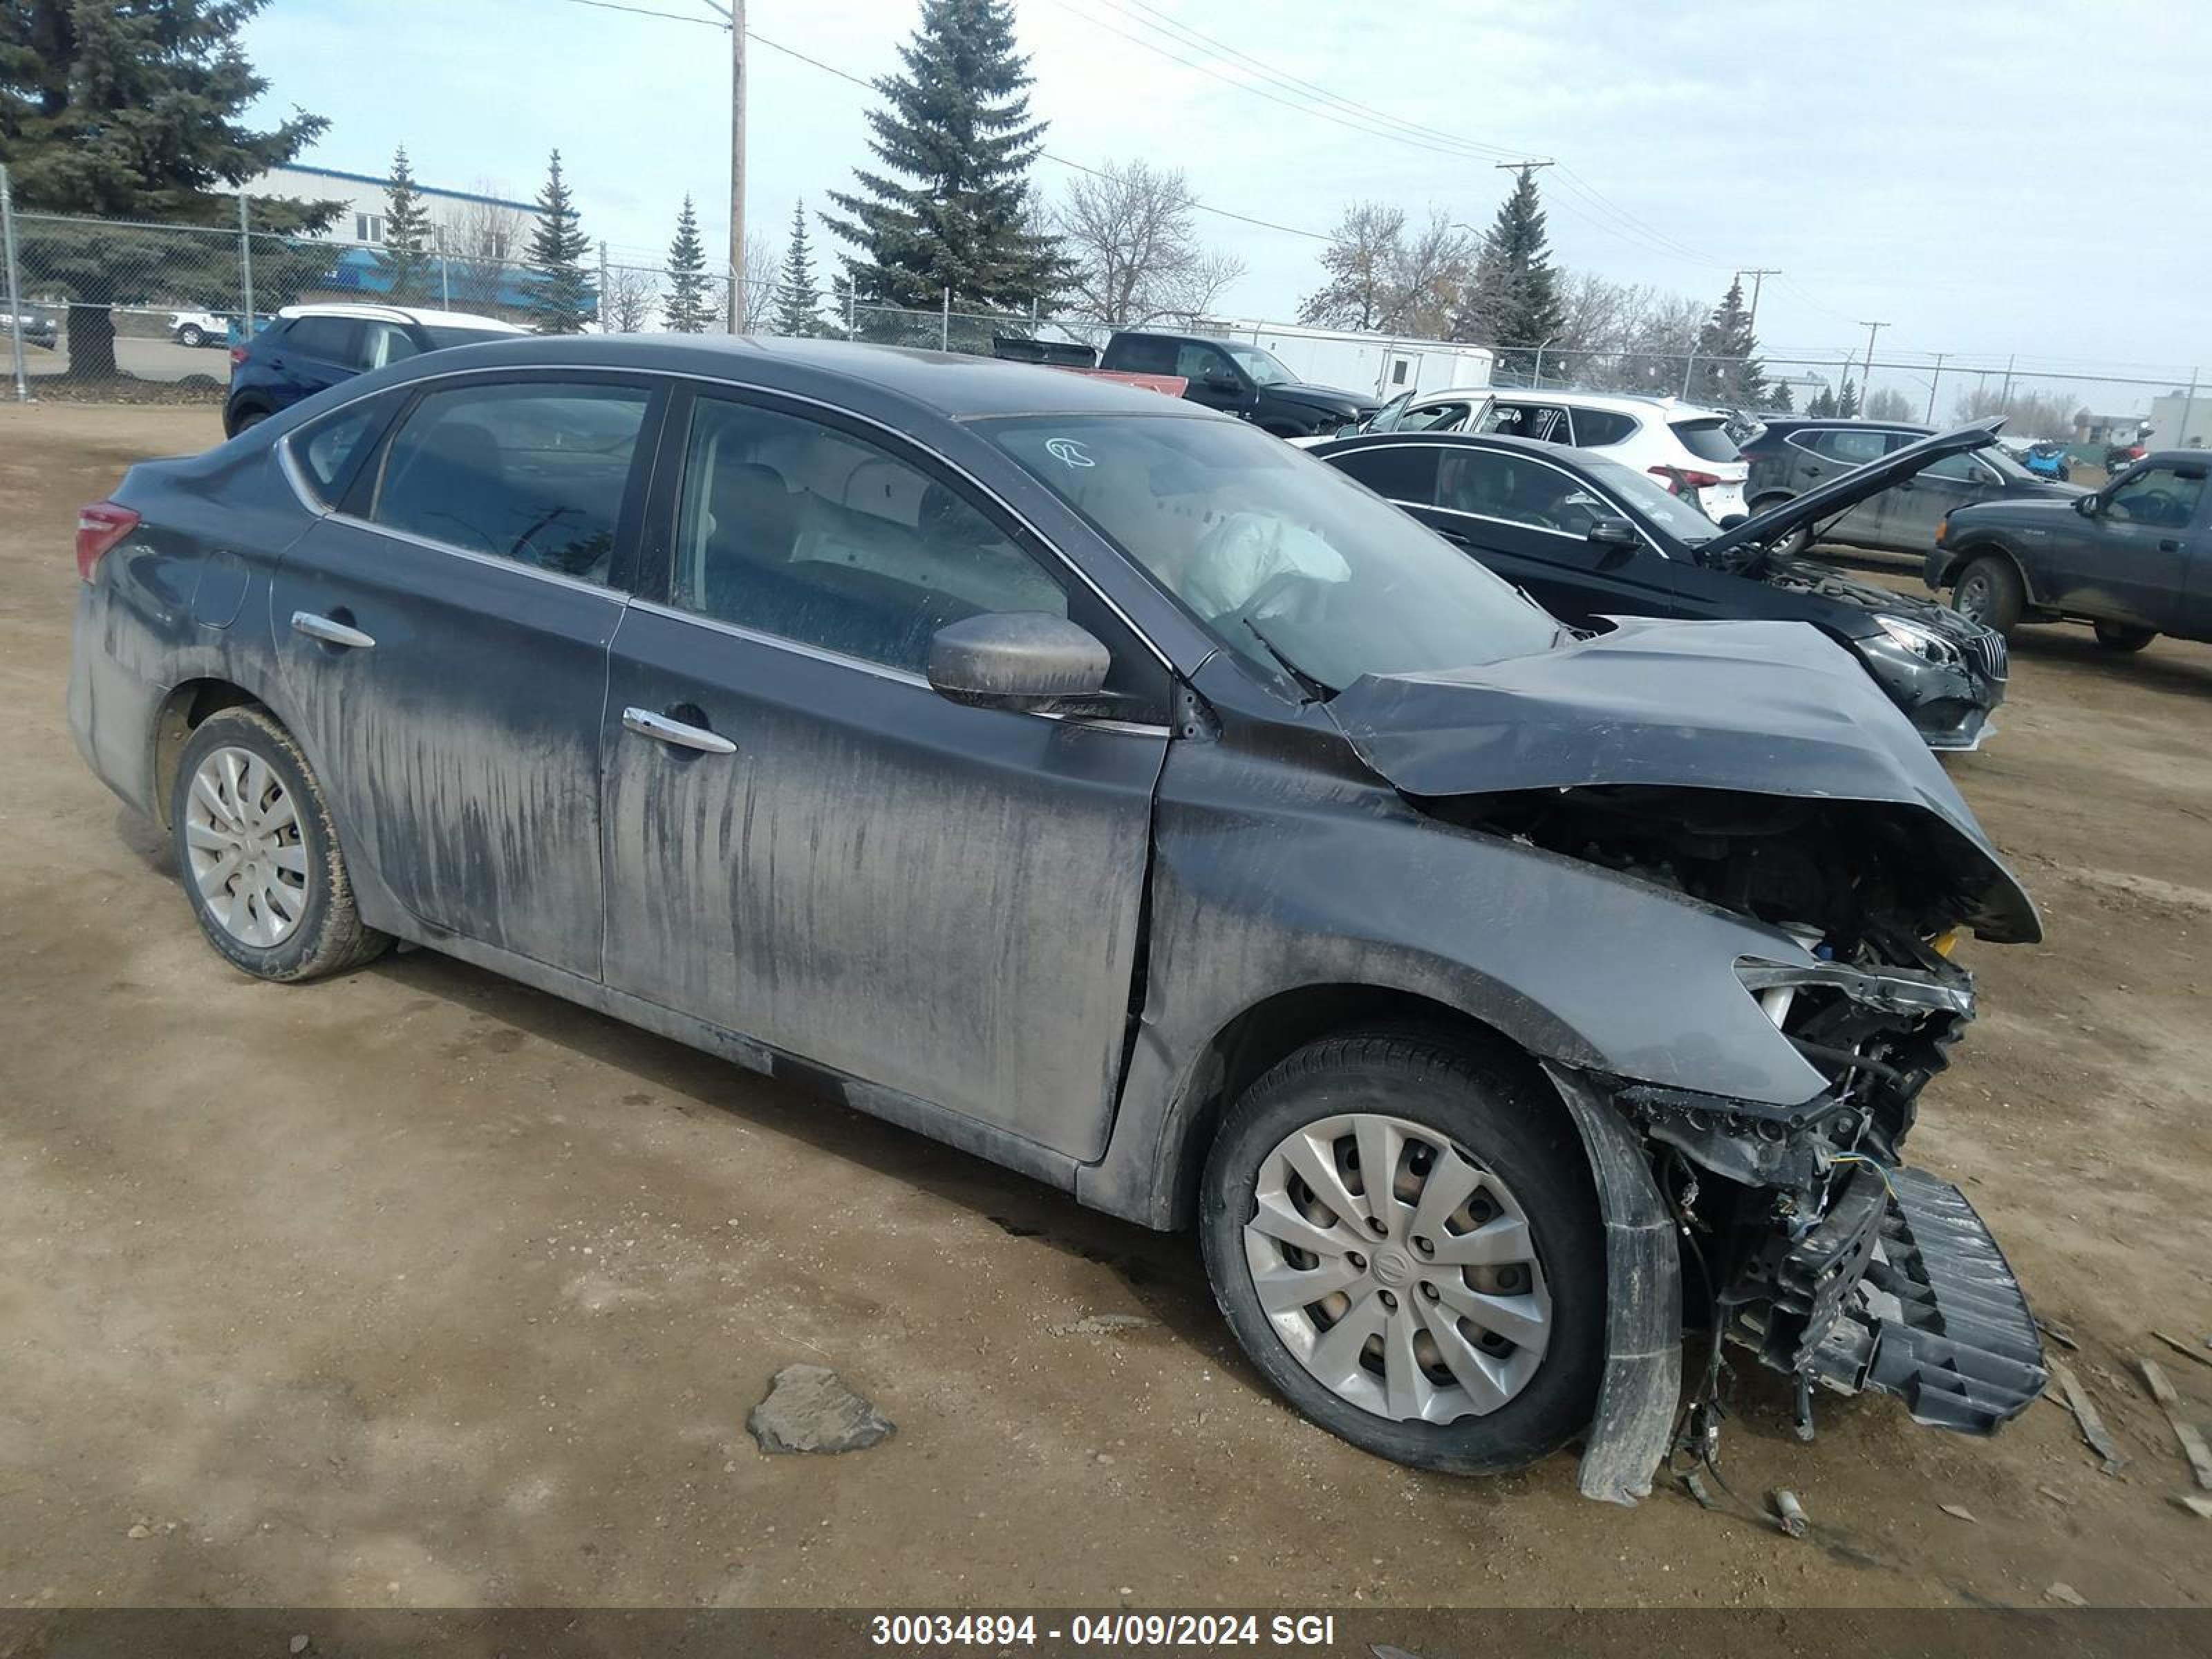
point(1959, 468)
point(2162, 496)
point(809, 533)
point(1437, 418)
point(1201, 362)
point(1261, 367)
point(1497, 484)
point(534, 472)
point(1397, 472)
point(1293, 568)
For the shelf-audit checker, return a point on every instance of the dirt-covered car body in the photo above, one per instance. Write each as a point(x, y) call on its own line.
point(1700, 881)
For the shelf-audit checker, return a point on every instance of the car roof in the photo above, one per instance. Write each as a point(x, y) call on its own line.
point(947, 383)
point(416, 314)
point(1456, 392)
point(1627, 402)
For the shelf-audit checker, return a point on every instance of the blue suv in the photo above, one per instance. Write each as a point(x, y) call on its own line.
point(307, 348)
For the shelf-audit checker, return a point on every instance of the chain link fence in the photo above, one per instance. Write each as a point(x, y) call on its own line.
point(97, 307)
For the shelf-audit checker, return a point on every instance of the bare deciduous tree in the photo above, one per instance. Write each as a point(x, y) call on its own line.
point(2031, 415)
point(1129, 231)
point(1362, 251)
point(629, 298)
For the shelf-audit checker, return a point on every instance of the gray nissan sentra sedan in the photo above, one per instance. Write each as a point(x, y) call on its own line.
point(1109, 789)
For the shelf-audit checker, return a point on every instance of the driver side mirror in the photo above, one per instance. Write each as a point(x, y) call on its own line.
point(2087, 506)
point(1221, 379)
point(1611, 531)
point(1020, 659)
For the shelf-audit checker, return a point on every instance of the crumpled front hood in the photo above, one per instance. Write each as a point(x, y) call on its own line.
point(1758, 707)
point(1811, 576)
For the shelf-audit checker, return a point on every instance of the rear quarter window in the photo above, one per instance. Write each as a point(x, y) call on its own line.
point(1707, 440)
point(1595, 426)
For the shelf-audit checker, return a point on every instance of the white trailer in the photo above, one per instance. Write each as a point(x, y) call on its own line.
point(1379, 366)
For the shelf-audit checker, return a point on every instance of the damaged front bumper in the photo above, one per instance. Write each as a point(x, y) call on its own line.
point(1816, 1247)
point(1901, 1289)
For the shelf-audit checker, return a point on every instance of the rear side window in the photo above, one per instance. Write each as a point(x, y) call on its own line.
point(812, 534)
point(326, 339)
point(1397, 472)
point(330, 451)
point(1852, 445)
point(1707, 440)
point(1544, 422)
point(533, 472)
point(1595, 426)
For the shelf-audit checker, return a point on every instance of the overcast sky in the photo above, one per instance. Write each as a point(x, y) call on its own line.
point(1983, 181)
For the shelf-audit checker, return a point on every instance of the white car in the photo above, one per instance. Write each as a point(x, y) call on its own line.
point(198, 328)
point(1686, 448)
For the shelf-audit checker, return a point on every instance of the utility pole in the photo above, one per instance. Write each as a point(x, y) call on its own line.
point(1932, 381)
point(245, 270)
point(734, 15)
point(2004, 398)
point(603, 328)
point(1866, 373)
point(1758, 277)
point(14, 291)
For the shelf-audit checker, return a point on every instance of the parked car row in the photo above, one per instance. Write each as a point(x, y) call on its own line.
point(34, 324)
point(1097, 783)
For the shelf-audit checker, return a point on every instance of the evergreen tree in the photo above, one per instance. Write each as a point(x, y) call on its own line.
point(1780, 399)
point(1513, 305)
point(688, 307)
point(1728, 370)
point(1847, 401)
point(946, 215)
point(406, 233)
point(1823, 406)
point(798, 298)
point(560, 297)
point(131, 110)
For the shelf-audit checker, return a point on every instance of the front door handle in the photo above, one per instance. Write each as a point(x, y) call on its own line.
point(646, 723)
point(2168, 545)
point(330, 631)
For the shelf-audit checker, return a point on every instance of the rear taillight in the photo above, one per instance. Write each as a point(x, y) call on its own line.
point(237, 354)
point(1680, 478)
point(99, 527)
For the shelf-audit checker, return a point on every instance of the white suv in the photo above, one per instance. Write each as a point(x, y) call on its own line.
point(1685, 447)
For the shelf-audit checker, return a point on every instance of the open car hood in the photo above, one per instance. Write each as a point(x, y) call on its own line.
point(1753, 707)
point(1846, 490)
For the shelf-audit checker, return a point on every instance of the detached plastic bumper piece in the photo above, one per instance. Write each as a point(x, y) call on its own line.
point(1904, 1291)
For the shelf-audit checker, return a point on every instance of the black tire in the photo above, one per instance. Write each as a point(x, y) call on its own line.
point(238, 420)
point(2123, 637)
point(191, 335)
point(1508, 1122)
point(328, 936)
point(1988, 591)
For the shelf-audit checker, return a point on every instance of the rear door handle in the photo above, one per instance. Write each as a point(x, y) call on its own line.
point(646, 723)
point(330, 632)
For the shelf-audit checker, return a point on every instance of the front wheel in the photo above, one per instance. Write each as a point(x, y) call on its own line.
point(2123, 637)
point(1403, 1234)
point(1988, 591)
point(258, 855)
point(191, 335)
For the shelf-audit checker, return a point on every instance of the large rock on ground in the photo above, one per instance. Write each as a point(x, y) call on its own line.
point(810, 1408)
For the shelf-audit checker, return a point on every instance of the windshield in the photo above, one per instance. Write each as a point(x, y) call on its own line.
point(1264, 367)
point(1707, 439)
point(1295, 567)
point(1386, 418)
point(1678, 515)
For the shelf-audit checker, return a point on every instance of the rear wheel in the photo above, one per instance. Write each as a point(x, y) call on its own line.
point(258, 856)
point(1988, 591)
point(1402, 1234)
point(191, 335)
point(2122, 636)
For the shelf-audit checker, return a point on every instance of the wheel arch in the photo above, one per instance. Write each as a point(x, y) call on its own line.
point(1972, 552)
point(182, 712)
point(1252, 1042)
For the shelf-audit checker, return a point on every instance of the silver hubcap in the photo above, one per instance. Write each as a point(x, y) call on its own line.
point(1399, 1271)
point(242, 843)
point(1972, 598)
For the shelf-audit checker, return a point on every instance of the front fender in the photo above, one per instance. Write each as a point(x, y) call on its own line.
point(1270, 878)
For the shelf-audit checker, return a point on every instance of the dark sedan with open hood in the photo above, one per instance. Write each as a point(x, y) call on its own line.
point(1590, 539)
point(1101, 785)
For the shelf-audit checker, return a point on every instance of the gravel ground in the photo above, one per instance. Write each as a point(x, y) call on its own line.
point(419, 1288)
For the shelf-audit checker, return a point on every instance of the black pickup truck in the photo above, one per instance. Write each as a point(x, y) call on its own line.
point(1238, 379)
point(2134, 559)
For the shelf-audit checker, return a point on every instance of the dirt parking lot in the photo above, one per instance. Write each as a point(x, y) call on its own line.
point(416, 1287)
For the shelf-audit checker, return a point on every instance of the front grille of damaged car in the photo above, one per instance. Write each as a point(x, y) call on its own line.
point(1987, 652)
point(1901, 1289)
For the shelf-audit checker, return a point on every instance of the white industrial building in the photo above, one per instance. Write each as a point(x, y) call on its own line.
point(472, 224)
point(1377, 365)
